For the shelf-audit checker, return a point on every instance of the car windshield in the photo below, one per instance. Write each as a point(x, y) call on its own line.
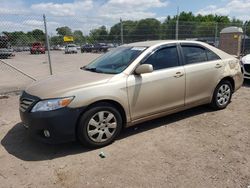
point(71, 45)
point(115, 61)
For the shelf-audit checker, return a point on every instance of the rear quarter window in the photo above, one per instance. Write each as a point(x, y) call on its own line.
point(211, 56)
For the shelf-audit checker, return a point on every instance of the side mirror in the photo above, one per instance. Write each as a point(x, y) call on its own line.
point(144, 68)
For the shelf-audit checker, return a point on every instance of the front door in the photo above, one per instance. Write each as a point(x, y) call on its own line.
point(161, 90)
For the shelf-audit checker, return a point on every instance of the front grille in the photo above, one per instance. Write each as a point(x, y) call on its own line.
point(27, 101)
point(25, 104)
point(247, 68)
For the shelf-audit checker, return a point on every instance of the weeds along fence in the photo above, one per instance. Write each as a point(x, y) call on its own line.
point(28, 43)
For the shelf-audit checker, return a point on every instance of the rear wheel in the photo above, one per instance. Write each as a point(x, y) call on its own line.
point(99, 126)
point(222, 95)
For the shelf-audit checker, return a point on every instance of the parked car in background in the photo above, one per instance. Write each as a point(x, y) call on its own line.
point(70, 48)
point(5, 50)
point(100, 47)
point(60, 48)
point(37, 48)
point(52, 47)
point(26, 48)
point(5, 53)
point(245, 61)
point(18, 49)
point(128, 85)
point(87, 48)
point(111, 45)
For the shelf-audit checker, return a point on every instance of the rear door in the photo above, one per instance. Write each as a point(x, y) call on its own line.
point(203, 70)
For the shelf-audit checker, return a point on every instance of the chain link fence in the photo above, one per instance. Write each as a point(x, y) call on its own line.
point(25, 54)
point(18, 34)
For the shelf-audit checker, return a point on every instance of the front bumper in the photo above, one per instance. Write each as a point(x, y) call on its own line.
point(246, 70)
point(246, 75)
point(60, 123)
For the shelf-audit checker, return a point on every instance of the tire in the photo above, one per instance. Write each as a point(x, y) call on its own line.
point(99, 126)
point(222, 95)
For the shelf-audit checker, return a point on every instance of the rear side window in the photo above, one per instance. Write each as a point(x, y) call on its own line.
point(198, 54)
point(164, 58)
point(194, 54)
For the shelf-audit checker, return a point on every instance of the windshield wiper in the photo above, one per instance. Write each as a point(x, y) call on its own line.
point(91, 69)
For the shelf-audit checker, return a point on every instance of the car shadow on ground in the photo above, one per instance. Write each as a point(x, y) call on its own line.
point(19, 144)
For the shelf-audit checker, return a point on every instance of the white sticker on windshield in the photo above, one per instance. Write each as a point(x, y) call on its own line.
point(138, 48)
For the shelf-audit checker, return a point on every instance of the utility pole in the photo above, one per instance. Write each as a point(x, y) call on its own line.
point(121, 31)
point(47, 41)
point(177, 25)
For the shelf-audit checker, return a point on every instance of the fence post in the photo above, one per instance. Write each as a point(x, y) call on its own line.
point(177, 25)
point(244, 35)
point(216, 32)
point(121, 31)
point(47, 41)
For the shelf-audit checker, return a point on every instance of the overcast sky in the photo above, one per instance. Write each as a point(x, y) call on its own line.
point(89, 14)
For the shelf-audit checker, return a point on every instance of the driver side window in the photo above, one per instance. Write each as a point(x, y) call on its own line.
point(164, 58)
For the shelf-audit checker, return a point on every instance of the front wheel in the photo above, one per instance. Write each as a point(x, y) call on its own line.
point(222, 95)
point(99, 126)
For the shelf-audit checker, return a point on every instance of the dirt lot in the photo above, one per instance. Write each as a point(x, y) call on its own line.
point(37, 66)
point(194, 148)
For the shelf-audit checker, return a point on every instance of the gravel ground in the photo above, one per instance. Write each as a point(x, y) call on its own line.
point(194, 148)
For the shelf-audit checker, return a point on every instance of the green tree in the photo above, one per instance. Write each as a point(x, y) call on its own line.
point(248, 28)
point(62, 31)
point(18, 38)
point(78, 37)
point(56, 40)
point(99, 35)
point(128, 30)
point(147, 29)
point(187, 25)
point(36, 35)
point(168, 28)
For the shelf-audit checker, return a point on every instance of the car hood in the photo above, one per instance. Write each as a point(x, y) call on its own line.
point(58, 85)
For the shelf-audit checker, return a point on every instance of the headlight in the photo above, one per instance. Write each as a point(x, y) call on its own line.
point(51, 104)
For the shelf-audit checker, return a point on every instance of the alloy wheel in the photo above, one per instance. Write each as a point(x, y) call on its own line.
point(223, 94)
point(101, 126)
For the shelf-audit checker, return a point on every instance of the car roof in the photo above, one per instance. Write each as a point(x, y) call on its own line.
point(156, 43)
point(161, 42)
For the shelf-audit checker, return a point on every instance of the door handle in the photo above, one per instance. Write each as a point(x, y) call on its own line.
point(218, 66)
point(178, 74)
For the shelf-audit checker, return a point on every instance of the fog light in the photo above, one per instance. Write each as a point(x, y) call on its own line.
point(46, 133)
